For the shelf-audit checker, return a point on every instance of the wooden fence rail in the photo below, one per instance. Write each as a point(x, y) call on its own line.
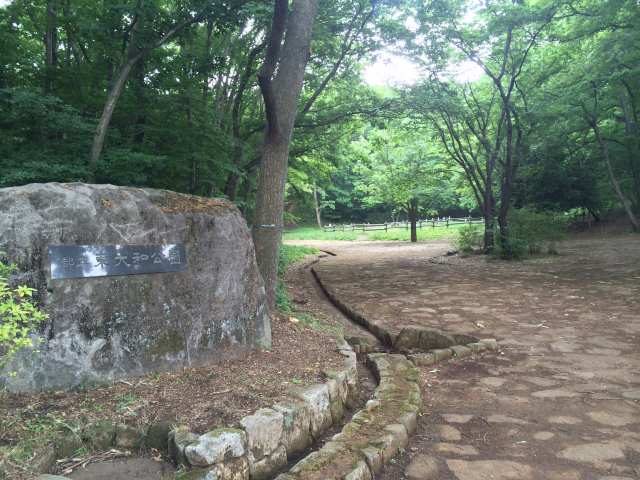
point(425, 223)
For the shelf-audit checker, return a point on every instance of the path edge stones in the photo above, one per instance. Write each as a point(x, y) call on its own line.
point(268, 439)
point(260, 445)
point(422, 345)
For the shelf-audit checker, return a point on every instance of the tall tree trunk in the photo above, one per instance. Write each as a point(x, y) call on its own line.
point(626, 203)
point(505, 184)
point(141, 117)
point(280, 96)
point(489, 203)
point(413, 219)
point(105, 119)
point(51, 46)
point(316, 205)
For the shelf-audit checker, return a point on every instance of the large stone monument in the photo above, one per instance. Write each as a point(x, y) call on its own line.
point(133, 280)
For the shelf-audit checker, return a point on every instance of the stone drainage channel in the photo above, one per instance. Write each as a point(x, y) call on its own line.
point(313, 436)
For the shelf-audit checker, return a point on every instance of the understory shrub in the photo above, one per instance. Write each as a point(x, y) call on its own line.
point(19, 316)
point(531, 233)
point(470, 238)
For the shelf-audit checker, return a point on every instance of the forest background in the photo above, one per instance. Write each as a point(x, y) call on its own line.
point(167, 94)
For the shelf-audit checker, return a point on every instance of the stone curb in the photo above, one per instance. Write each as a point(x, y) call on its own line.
point(456, 351)
point(424, 346)
point(376, 433)
point(265, 441)
point(261, 445)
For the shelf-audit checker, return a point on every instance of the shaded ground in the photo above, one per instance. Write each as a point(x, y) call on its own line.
point(134, 468)
point(307, 297)
point(202, 398)
point(561, 401)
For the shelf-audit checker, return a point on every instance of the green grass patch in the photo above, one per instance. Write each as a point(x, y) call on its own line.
point(288, 255)
point(34, 434)
point(311, 322)
point(396, 234)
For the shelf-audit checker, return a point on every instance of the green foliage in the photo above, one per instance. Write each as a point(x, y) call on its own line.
point(531, 233)
point(470, 238)
point(397, 166)
point(43, 139)
point(19, 316)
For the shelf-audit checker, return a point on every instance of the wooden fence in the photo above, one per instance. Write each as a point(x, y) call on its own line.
point(425, 223)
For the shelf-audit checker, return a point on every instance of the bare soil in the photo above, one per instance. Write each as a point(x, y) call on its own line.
point(560, 401)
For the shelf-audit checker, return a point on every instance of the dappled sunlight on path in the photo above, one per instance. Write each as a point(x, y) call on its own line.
point(560, 401)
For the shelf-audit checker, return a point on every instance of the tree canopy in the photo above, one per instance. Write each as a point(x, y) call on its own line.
point(174, 94)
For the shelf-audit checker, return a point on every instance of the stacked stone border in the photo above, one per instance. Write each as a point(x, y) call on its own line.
point(376, 433)
point(257, 449)
point(267, 440)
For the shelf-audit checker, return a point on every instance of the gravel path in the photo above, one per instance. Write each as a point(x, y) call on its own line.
point(562, 399)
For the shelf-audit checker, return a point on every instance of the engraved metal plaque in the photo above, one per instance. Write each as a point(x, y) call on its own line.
point(81, 261)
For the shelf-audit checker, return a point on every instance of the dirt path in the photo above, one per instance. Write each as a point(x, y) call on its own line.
point(562, 399)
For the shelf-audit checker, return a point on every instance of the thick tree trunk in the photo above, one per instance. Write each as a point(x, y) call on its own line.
point(503, 219)
point(413, 219)
point(316, 205)
point(267, 227)
point(281, 96)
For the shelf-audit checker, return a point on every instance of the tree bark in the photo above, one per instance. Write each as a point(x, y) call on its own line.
point(626, 203)
point(489, 241)
point(413, 219)
point(280, 96)
point(316, 205)
point(105, 119)
point(141, 118)
point(51, 46)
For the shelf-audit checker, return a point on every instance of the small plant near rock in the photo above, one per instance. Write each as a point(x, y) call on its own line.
point(19, 316)
point(125, 403)
point(469, 238)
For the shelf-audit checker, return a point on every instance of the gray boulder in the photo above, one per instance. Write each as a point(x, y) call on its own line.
point(103, 328)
